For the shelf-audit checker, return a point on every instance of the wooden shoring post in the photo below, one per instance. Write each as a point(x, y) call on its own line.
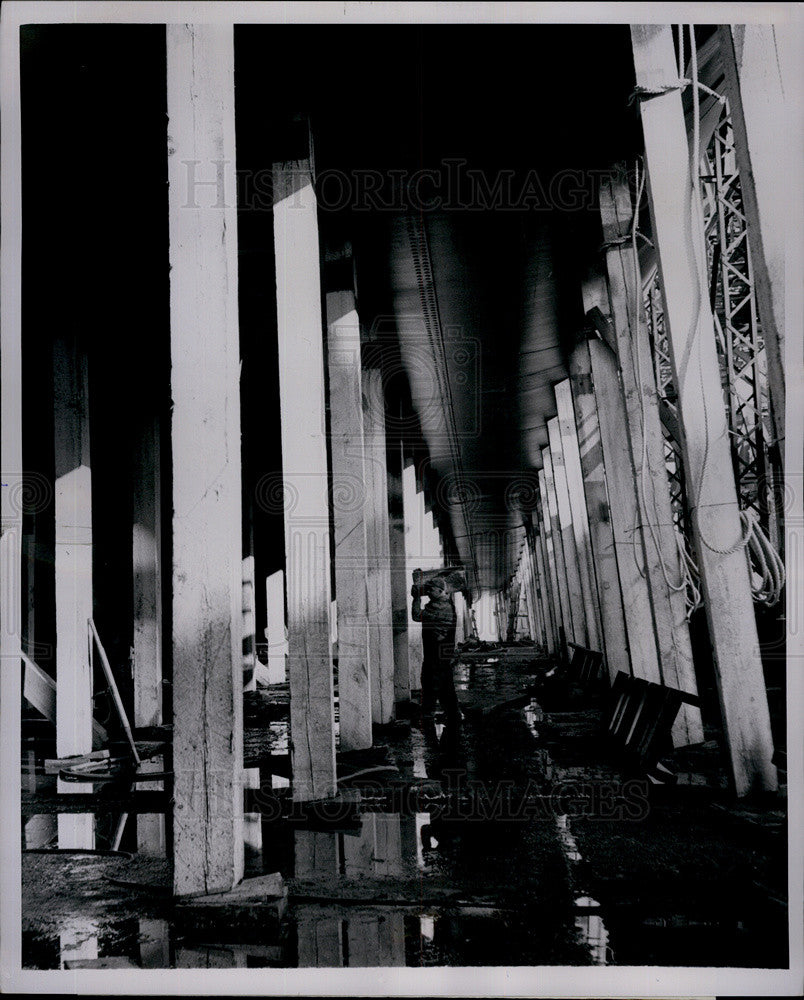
point(546, 581)
point(555, 552)
point(538, 611)
point(11, 492)
point(557, 475)
point(349, 506)
point(622, 507)
point(275, 630)
point(543, 591)
point(147, 578)
point(580, 517)
point(381, 638)
point(534, 611)
point(715, 515)
point(249, 603)
point(400, 587)
point(761, 121)
point(305, 479)
point(593, 470)
point(207, 514)
point(73, 568)
point(413, 504)
point(662, 564)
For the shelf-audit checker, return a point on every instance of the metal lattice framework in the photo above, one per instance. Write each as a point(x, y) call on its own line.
point(740, 346)
point(654, 310)
point(740, 343)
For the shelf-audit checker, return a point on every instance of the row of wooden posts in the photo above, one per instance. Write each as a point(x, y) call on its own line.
point(601, 538)
point(600, 563)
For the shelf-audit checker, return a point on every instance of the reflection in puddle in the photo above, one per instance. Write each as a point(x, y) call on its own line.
point(533, 715)
point(592, 929)
point(589, 921)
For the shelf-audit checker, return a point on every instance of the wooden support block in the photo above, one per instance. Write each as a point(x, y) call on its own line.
point(678, 234)
point(315, 854)
point(207, 539)
point(349, 506)
point(147, 575)
point(320, 940)
point(662, 565)
point(378, 578)
point(305, 479)
point(580, 517)
point(593, 471)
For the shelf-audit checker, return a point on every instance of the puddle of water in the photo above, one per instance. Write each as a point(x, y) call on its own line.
point(416, 888)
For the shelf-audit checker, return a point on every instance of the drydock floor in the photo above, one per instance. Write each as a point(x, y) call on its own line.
point(513, 840)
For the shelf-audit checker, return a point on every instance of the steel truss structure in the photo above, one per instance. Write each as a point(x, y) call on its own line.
point(740, 346)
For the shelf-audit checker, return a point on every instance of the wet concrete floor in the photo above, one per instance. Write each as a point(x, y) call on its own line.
point(512, 840)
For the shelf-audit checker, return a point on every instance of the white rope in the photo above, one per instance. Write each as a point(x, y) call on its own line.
point(685, 583)
point(763, 560)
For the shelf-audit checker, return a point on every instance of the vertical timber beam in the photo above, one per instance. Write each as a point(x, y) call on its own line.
point(593, 474)
point(622, 507)
point(413, 516)
point(349, 505)
point(399, 574)
point(543, 593)
point(381, 639)
point(147, 582)
point(580, 517)
point(659, 539)
point(305, 478)
point(207, 538)
point(543, 565)
point(555, 555)
point(571, 555)
point(11, 492)
point(73, 568)
point(755, 89)
point(678, 233)
point(147, 611)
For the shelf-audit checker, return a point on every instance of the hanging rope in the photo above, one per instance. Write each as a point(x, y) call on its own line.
point(686, 569)
point(765, 566)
